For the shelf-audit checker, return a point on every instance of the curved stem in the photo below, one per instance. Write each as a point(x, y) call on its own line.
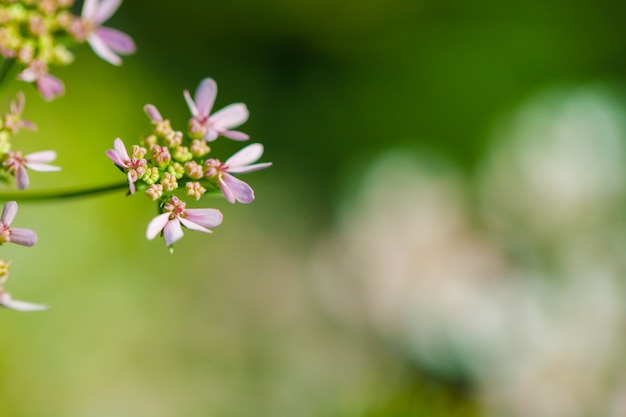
point(61, 194)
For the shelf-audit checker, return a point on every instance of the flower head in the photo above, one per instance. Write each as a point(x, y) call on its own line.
point(107, 43)
point(134, 167)
point(24, 237)
point(207, 126)
point(16, 164)
point(176, 214)
point(48, 85)
point(241, 162)
point(13, 121)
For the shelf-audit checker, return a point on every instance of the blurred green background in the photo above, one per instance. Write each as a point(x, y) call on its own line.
point(232, 324)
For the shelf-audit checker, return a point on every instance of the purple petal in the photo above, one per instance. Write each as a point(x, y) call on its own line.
point(205, 96)
point(8, 302)
point(228, 194)
point(120, 149)
point(245, 156)
point(156, 225)
point(42, 157)
point(172, 232)
point(234, 135)
point(118, 155)
point(29, 75)
point(113, 156)
point(102, 50)
point(50, 86)
point(21, 178)
point(230, 116)
point(118, 41)
point(8, 213)
point(105, 10)
point(153, 113)
point(132, 177)
point(242, 191)
point(250, 168)
point(37, 166)
point(207, 217)
point(190, 103)
point(24, 237)
point(18, 105)
point(89, 9)
point(193, 226)
point(27, 124)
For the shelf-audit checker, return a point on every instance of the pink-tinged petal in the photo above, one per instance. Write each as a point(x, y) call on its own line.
point(24, 237)
point(228, 194)
point(18, 105)
point(172, 232)
point(120, 149)
point(234, 135)
point(193, 226)
point(249, 168)
point(245, 156)
point(156, 225)
point(8, 302)
point(118, 41)
point(132, 177)
point(242, 191)
point(102, 50)
point(190, 103)
point(27, 124)
point(113, 156)
point(211, 135)
point(21, 178)
point(41, 157)
point(205, 96)
point(153, 113)
point(230, 116)
point(207, 217)
point(105, 10)
point(89, 9)
point(50, 86)
point(40, 167)
point(29, 75)
point(8, 213)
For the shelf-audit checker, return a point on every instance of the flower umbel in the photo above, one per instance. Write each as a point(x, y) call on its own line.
point(209, 127)
point(176, 214)
point(170, 166)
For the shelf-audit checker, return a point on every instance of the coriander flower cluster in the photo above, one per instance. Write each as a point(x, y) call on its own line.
point(169, 166)
point(13, 163)
point(37, 34)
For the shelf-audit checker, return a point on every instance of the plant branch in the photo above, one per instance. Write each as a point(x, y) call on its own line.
point(27, 197)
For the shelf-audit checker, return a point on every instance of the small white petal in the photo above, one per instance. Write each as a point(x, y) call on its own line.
point(230, 116)
point(156, 225)
point(102, 50)
point(8, 302)
point(245, 156)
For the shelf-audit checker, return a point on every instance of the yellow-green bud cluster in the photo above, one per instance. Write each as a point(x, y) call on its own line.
point(35, 30)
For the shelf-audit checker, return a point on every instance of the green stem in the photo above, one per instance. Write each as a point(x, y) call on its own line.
point(61, 194)
point(5, 69)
